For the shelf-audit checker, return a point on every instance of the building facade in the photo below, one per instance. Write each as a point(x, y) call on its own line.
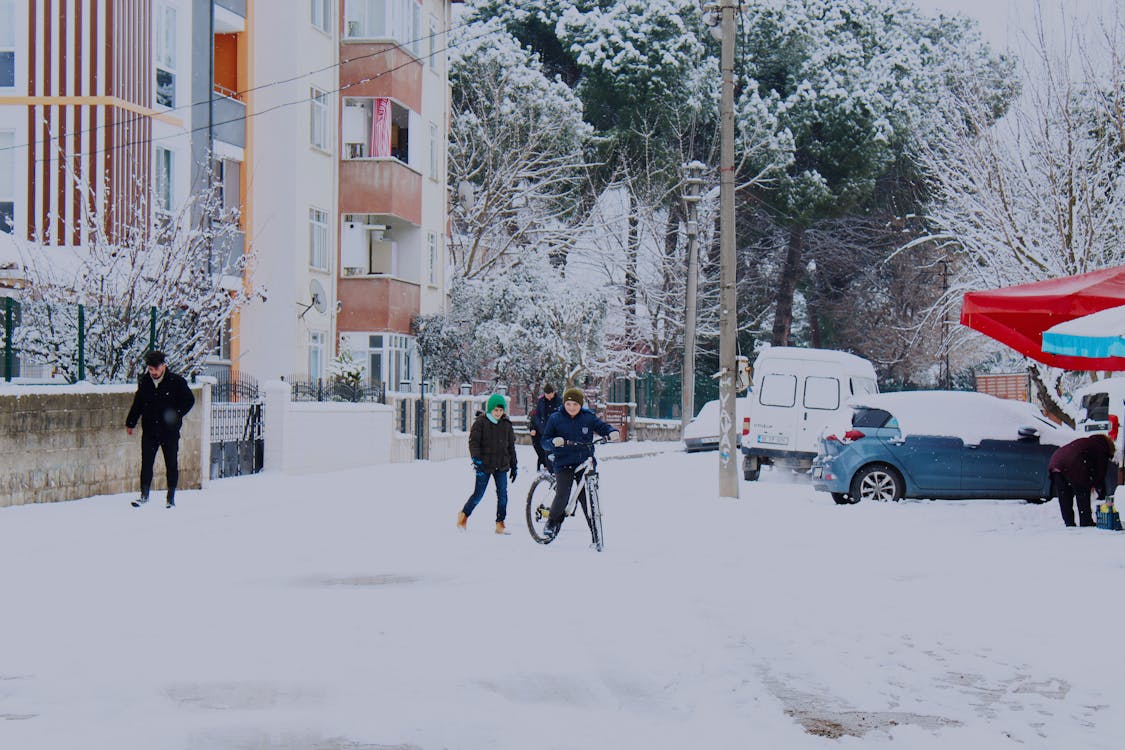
point(117, 110)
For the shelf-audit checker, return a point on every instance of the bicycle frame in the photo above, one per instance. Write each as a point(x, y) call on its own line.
point(586, 479)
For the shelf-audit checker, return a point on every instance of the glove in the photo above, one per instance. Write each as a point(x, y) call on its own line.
point(478, 466)
point(558, 442)
point(512, 474)
point(614, 436)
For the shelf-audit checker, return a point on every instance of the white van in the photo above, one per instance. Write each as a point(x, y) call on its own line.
point(797, 393)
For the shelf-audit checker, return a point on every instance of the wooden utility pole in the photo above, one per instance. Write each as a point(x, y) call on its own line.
point(692, 182)
point(728, 301)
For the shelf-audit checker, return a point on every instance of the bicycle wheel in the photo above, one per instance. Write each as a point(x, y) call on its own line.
point(539, 499)
point(595, 504)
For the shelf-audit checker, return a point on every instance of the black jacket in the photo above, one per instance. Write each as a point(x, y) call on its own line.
point(160, 410)
point(493, 444)
point(583, 427)
point(544, 408)
point(1084, 462)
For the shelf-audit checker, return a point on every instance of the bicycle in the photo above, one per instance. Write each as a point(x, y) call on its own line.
point(542, 494)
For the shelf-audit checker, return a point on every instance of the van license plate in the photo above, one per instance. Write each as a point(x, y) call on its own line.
point(773, 439)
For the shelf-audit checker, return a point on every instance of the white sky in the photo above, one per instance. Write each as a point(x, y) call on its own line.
point(1002, 22)
point(344, 611)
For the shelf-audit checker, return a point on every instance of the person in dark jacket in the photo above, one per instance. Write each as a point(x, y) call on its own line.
point(492, 445)
point(160, 403)
point(572, 424)
point(547, 405)
point(1075, 469)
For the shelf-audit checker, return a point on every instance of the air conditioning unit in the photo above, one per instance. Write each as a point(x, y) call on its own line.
point(353, 248)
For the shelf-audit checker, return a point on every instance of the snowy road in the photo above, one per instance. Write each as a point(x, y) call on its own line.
point(345, 612)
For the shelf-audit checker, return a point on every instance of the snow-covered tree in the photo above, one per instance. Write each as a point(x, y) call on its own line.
point(348, 369)
point(517, 154)
point(526, 324)
point(161, 273)
point(846, 89)
point(1041, 194)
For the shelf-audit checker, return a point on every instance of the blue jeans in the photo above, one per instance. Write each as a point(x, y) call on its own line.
point(501, 478)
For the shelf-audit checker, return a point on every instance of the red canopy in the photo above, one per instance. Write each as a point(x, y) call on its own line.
point(1018, 315)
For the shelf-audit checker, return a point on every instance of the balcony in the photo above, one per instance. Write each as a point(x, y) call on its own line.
point(237, 7)
point(377, 304)
point(229, 123)
point(380, 186)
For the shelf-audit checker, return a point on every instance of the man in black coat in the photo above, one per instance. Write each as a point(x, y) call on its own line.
point(547, 405)
point(1077, 467)
point(161, 401)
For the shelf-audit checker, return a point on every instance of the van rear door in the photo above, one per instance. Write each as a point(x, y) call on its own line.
point(772, 423)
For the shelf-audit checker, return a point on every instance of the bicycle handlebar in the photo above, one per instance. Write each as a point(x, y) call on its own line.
point(559, 442)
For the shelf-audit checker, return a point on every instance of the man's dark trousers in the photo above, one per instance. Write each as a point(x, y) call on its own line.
point(170, 446)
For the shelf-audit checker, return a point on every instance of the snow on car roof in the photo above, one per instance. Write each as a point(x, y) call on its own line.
point(970, 416)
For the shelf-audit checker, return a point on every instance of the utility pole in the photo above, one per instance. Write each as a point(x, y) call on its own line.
point(728, 301)
point(692, 182)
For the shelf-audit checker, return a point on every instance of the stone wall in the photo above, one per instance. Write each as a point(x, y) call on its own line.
point(69, 442)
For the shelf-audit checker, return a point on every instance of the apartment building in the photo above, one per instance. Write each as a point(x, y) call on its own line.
point(324, 121)
point(104, 103)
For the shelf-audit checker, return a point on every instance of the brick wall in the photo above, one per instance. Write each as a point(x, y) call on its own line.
point(69, 442)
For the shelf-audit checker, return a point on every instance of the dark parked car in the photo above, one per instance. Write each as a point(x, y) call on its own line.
point(941, 445)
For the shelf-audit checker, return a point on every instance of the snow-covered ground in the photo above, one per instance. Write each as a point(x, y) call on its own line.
point(345, 612)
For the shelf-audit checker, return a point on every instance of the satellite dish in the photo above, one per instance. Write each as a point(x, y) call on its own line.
point(318, 298)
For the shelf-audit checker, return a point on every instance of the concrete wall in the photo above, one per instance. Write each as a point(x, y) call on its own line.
point(69, 442)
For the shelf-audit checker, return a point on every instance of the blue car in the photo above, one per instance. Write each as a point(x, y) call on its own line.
point(939, 445)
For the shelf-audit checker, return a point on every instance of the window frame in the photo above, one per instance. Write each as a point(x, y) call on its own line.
point(432, 242)
point(318, 341)
point(8, 46)
point(323, 9)
point(164, 179)
point(318, 230)
point(164, 51)
point(434, 152)
point(401, 22)
point(7, 180)
point(814, 379)
point(767, 387)
point(318, 120)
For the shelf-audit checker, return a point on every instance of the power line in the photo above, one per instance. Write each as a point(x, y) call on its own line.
point(245, 116)
point(129, 120)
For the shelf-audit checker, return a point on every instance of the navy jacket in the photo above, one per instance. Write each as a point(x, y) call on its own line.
point(581, 428)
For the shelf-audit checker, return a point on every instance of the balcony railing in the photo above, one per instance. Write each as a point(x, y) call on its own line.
point(229, 120)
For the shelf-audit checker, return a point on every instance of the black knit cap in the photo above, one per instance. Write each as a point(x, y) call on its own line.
point(575, 395)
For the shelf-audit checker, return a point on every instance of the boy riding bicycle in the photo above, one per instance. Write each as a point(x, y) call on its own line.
point(568, 434)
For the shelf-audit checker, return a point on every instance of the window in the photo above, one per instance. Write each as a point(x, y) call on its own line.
point(433, 258)
point(434, 152)
point(318, 239)
point(400, 20)
point(317, 340)
point(7, 43)
point(864, 416)
point(7, 180)
point(862, 386)
point(164, 179)
point(165, 56)
point(778, 390)
point(318, 118)
point(433, 41)
point(396, 352)
point(322, 15)
point(822, 393)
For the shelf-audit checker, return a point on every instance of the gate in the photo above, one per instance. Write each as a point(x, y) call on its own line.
point(237, 447)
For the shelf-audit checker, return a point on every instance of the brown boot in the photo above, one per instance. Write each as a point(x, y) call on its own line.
point(500, 528)
point(462, 519)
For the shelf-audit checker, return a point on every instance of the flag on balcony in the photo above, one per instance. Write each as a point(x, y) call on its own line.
point(381, 128)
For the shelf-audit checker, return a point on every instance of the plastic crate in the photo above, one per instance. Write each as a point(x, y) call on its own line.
point(1108, 517)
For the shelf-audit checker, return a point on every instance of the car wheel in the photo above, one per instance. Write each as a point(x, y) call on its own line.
point(877, 482)
point(843, 498)
point(751, 469)
point(1036, 500)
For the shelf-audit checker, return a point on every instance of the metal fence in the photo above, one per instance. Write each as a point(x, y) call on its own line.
point(307, 389)
point(237, 443)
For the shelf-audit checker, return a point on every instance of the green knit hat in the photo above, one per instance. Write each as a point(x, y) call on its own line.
point(496, 400)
